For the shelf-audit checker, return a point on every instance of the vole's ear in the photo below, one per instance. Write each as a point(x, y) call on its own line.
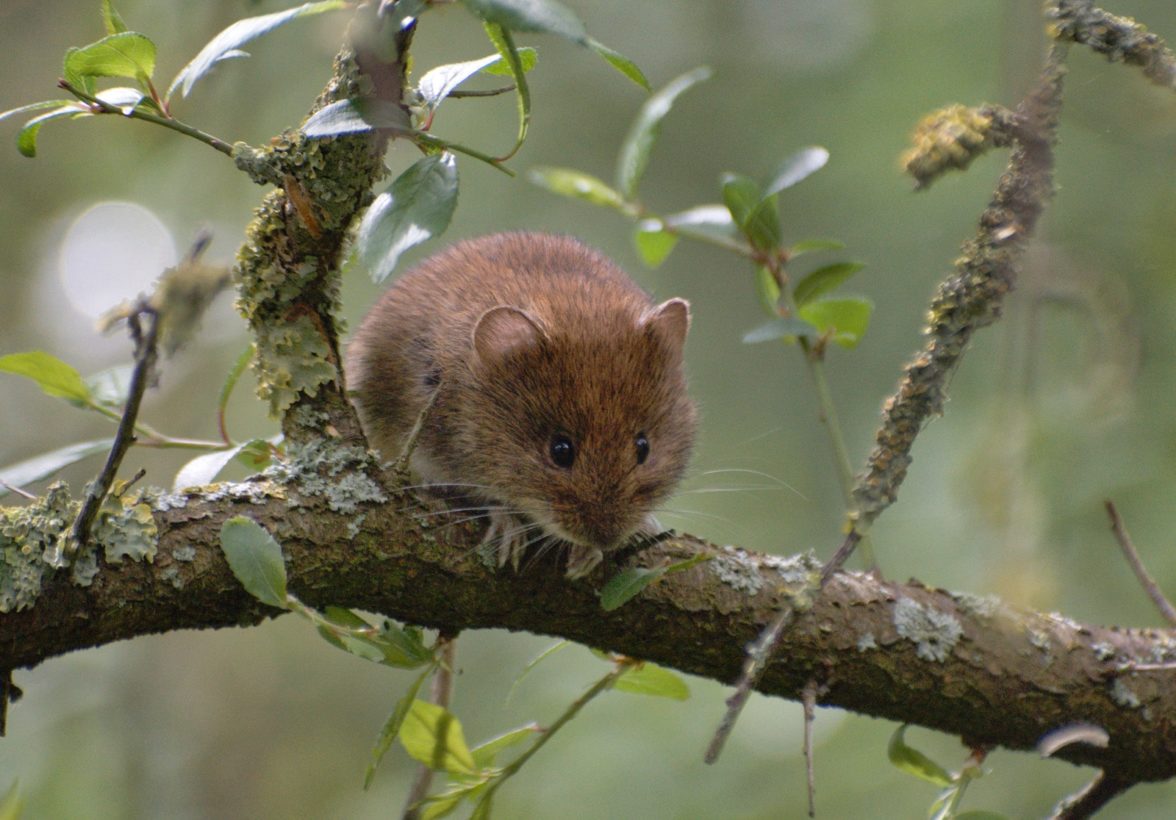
point(670, 320)
point(502, 330)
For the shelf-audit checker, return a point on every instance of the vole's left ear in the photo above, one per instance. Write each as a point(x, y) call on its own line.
point(669, 321)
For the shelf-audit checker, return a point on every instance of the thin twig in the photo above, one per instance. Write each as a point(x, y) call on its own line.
point(1132, 555)
point(400, 466)
point(440, 693)
point(146, 353)
point(809, 698)
point(13, 489)
point(1100, 791)
point(966, 301)
point(138, 114)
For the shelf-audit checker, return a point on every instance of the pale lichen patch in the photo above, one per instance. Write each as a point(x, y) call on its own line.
point(333, 471)
point(29, 538)
point(738, 570)
point(933, 633)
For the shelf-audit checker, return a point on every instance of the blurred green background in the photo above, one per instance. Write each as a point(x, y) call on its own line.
point(1064, 404)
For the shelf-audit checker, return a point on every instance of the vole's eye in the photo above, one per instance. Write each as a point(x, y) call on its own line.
point(642, 445)
point(563, 452)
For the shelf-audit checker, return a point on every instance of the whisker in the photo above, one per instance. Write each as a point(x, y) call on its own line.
point(749, 488)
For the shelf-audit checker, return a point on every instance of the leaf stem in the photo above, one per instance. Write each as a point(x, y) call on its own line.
point(421, 138)
point(601, 685)
point(103, 107)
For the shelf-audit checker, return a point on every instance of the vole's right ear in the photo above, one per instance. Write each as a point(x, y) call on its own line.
point(503, 330)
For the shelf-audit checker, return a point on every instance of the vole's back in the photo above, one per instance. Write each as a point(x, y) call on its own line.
point(594, 360)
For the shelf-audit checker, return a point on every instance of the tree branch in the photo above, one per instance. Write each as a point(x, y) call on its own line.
point(963, 664)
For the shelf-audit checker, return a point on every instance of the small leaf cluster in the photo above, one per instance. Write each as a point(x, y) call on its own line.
point(628, 584)
point(433, 735)
point(420, 202)
point(946, 805)
point(106, 393)
point(128, 55)
point(747, 222)
point(428, 732)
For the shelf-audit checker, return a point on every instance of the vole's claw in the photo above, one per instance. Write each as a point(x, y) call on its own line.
point(507, 536)
point(582, 560)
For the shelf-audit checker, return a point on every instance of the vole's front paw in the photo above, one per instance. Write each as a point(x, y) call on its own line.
point(582, 560)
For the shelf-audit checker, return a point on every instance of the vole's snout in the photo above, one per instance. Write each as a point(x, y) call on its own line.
point(603, 522)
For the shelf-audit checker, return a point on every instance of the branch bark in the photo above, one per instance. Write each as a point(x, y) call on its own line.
point(963, 664)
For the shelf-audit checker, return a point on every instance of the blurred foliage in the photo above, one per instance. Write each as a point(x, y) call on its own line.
point(1066, 402)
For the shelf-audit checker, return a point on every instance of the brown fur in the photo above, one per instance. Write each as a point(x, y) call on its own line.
point(581, 351)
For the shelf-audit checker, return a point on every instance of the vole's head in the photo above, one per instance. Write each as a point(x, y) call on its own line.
point(587, 426)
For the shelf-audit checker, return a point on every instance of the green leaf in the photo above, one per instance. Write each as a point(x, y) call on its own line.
point(389, 645)
point(527, 59)
point(980, 814)
point(706, 222)
point(626, 584)
point(811, 245)
point(914, 762)
point(544, 16)
point(502, 40)
point(763, 224)
point(256, 454)
point(392, 726)
point(125, 98)
point(620, 62)
point(643, 133)
point(26, 140)
point(755, 213)
point(768, 289)
point(255, 559)
point(653, 242)
point(45, 465)
point(437, 83)
point(39, 106)
point(126, 54)
point(437, 806)
point(485, 753)
point(648, 679)
point(572, 183)
point(55, 377)
point(342, 616)
point(781, 328)
point(404, 648)
point(846, 318)
point(354, 115)
point(110, 387)
point(432, 735)
point(417, 206)
point(741, 195)
point(803, 163)
point(240, 33)
point(824, 280)
point(111, 19)
point(357, 645)
point(204, 469)
point(12, 804)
